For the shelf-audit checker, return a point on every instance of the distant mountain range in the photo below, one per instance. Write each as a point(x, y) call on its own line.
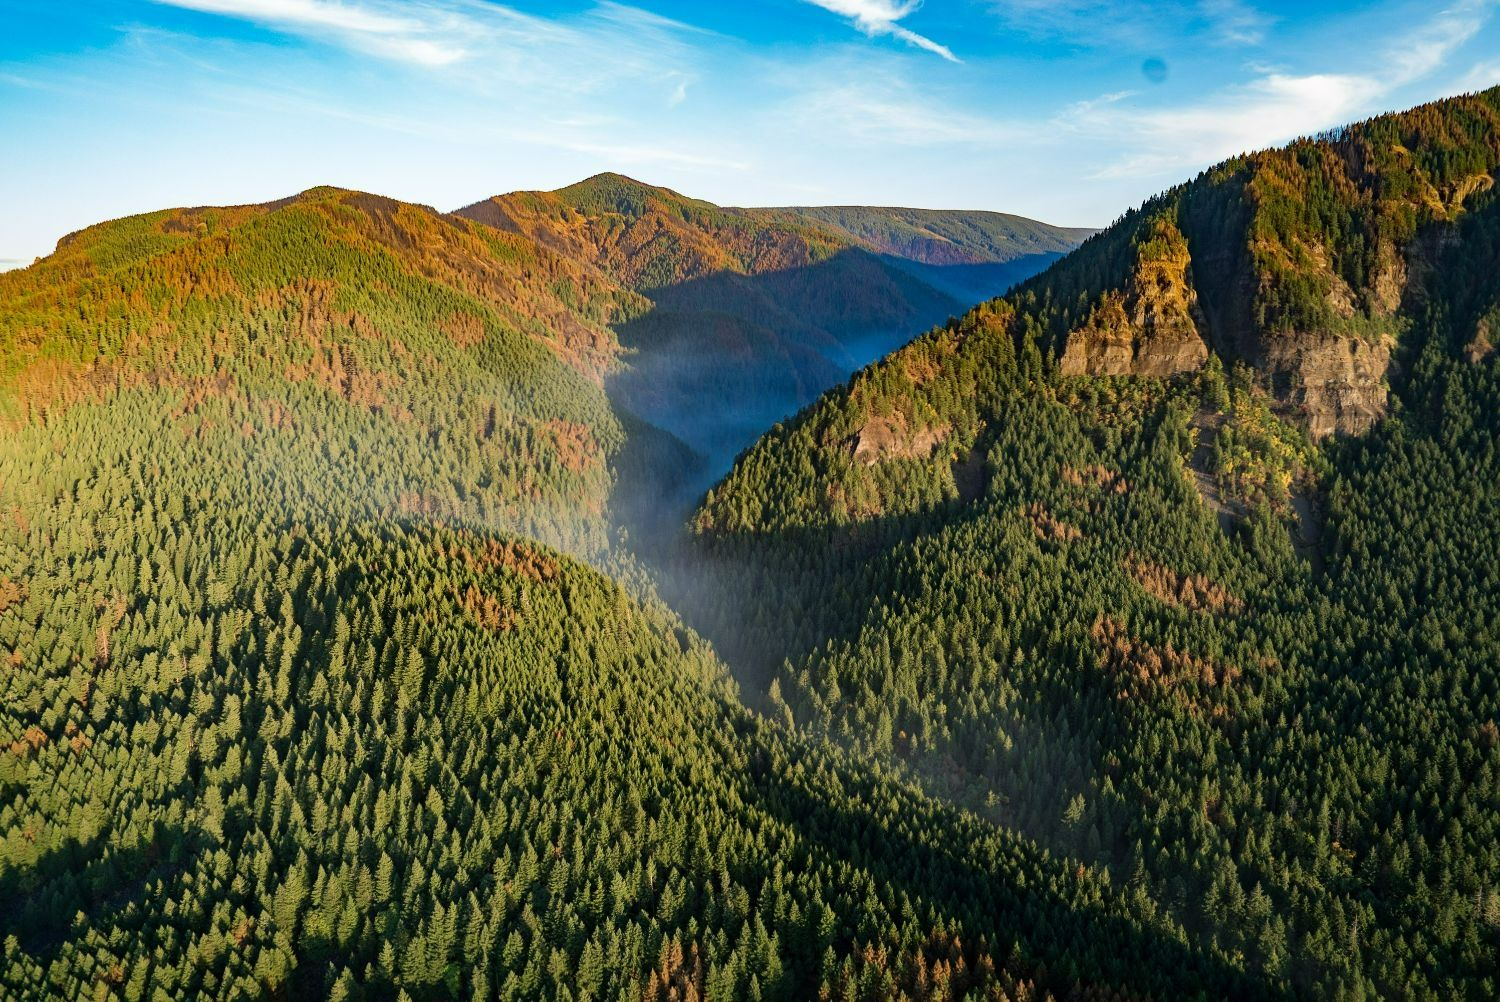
point(667, 299)
point(762, 309)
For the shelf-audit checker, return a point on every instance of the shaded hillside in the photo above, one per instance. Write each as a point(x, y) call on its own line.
point(970, 255)
point(1090, 561)
point(759, 310)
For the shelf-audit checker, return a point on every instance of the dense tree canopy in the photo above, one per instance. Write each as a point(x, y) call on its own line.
point(340, 661)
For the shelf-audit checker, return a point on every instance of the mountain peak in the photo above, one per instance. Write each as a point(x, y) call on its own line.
point(611, 192)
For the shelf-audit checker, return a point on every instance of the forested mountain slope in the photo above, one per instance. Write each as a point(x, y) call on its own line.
point(1304, 264)
point(763, 309)
point(262, 744)
point(1092, 561)
point(300, 699)
point(1131, 636)
point(463, 364)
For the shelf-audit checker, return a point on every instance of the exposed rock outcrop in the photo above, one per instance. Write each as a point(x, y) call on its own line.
point(1330, 383)
point(1388, 283)
point(1482, 345)
point(1151, 327)
point(891, 437)
point(1468, 186)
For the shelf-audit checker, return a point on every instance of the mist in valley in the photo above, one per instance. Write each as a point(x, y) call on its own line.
point(692, 405)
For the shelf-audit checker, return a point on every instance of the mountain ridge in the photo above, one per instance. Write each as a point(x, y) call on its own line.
point(795, 301)
point(316, 684)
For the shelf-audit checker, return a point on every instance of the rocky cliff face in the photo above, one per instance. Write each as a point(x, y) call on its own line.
point(1330, 377)
point(1151, 327)
point(1304, 263)
point(1328, 383)
point(1329, 380)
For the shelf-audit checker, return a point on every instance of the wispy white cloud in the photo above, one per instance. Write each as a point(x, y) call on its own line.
point(16, 80)
point(1273, 107)
point(1481, 77)
point(314, 13)
point(1234, 22)
point(485, 41)
point(1428, 48)
point(1270, 109)
point(291, 100)
point(638, 155)
point(639, 17)
point(421, 33)
point(491, 76)
point(491, 48)
point(1099, 22)
point(596, 134)
point(679, 91)
point(882, 17)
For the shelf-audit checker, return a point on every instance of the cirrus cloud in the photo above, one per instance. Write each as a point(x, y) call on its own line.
point(421, 34)
point(881, 17)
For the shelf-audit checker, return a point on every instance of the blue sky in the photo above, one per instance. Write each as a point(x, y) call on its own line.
point(1065, 110)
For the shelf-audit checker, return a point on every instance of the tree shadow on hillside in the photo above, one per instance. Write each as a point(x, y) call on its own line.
point(975, 283)
point(766, 607)
point(765, 599)
point(42, 900)
point(802, 586)
point(721, 357)
point(964, 869)
point(772, 603)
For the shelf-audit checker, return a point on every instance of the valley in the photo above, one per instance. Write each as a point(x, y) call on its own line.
point(760, 310)
point(602, 593)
